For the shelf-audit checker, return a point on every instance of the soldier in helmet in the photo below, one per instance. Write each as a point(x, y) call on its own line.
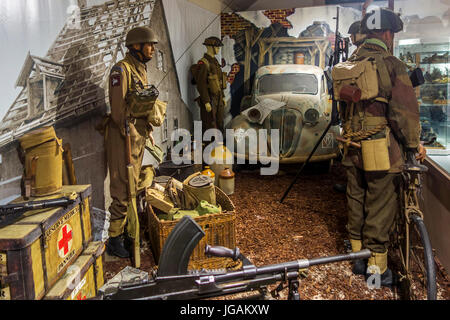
point(211, 82)
point(355, 34)
point(128, 74)
point(372, 196)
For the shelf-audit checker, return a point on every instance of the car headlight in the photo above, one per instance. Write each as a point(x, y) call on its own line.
point(254, 115)
point(311, 116)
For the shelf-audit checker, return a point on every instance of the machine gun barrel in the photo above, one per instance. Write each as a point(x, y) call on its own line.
point(291, 265)
point(212, 285)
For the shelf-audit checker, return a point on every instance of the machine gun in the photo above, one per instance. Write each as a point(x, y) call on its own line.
point(172, 282)
point(12, 212)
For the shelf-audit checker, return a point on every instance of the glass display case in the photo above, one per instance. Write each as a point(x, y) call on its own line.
point(433, 95)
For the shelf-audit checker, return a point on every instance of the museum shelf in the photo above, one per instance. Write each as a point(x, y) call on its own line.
point(434, 95)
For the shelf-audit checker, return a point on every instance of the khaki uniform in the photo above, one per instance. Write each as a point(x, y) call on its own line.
point(373, 197)
point(115, 138)
point(210, 71)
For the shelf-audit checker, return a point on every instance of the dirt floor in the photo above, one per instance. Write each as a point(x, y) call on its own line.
point(309, 223)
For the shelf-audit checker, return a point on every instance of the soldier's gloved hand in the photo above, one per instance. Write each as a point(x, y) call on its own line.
point(422, 153)
point(208, 107)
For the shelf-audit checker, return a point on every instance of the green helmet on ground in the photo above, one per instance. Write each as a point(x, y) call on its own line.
point(381, 19)
point(140, 35)
point(213, 42)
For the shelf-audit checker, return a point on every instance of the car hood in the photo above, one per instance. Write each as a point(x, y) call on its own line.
point(301, 102)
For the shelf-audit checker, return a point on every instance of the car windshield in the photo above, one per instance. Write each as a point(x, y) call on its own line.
point(302, 83)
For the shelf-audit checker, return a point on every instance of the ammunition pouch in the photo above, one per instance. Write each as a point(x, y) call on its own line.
point(362, 74)
point(156, 116)
point(141, 101)
point(375, 154)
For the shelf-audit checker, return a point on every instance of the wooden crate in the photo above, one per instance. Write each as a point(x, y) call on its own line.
point(220, 230)
point(83, 278)
point(36, 250)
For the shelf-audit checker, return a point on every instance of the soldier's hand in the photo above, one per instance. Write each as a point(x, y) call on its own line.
point(208, 107)
point(422, 153)
point(152, 140)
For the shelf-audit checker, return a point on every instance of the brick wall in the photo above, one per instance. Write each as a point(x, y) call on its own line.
point(232, 23)
point(279, 16)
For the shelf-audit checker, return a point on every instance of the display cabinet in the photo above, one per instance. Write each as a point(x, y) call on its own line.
point(433, 95)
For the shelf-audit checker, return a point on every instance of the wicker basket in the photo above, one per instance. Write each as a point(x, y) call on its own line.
point(219, 231)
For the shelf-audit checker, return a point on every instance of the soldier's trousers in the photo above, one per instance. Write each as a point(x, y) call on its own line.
point(213, 119)
point(373, 202)
point(117, 164)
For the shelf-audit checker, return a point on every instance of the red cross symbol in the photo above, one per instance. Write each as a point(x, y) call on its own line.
point(64, 242)
point(81, 298)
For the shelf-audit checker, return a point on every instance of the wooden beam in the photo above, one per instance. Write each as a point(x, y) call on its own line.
point(247, 61)
point(260, 32)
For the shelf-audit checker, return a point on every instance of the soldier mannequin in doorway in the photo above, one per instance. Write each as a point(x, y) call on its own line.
point(128, 74)
point(211, 82)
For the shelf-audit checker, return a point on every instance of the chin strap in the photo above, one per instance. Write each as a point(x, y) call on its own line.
point(140, 57)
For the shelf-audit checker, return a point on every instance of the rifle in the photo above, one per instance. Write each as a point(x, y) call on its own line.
point(340, 50)
point(10, 213)
point(132, 215)
point(172, 281)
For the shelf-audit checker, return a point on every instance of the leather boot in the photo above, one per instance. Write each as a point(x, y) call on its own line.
point(377, 264)
point(115, 247)
point(359, 265)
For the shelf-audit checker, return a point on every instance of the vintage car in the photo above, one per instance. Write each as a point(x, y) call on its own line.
point(295, 100)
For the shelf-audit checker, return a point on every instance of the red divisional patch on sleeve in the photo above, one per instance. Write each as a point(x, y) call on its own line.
point(115, 80)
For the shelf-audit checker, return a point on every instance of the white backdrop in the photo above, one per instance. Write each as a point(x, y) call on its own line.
point(189, 25)
point(27, 25)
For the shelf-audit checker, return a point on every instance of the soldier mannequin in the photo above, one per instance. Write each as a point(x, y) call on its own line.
point(210, 85)
point(125, 75)
point(372, 196)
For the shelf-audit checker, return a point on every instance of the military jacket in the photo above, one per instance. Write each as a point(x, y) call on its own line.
point(208, 73)
point(400, 109)
point(118, 88)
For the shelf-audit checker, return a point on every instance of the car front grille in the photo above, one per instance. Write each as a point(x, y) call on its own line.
point(289, 122)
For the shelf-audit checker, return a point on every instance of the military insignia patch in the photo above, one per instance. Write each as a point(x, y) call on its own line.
point(115, 80)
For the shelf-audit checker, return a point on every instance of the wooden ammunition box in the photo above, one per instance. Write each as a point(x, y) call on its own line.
point(36, 250)
point(83, 278)
point(220, 230)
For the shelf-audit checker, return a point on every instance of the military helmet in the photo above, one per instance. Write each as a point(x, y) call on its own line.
point(213, 42)
point(140, 35)
point(354, 28)
point(381, 19)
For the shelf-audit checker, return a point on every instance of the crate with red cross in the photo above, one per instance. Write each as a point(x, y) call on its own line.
point(37, 250)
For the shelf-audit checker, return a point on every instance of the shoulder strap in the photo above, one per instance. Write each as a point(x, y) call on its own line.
point(386, 83)
point(130, 72)
point(206, 62)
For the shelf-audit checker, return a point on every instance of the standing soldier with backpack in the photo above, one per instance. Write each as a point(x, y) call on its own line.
point(211, 82)
point(133, 117)
point(385, 122)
